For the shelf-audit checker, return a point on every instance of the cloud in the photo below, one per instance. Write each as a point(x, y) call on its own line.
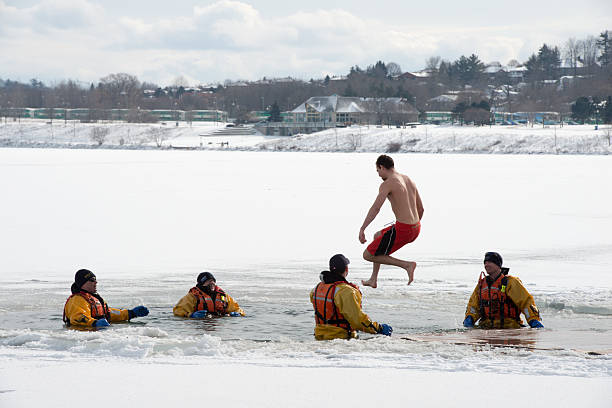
point(49, 15)
point(66, 14)
point(233, 39)
point(225, 25)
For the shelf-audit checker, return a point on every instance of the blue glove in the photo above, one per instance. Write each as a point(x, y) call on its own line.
point(535, 324)
point(385, 329)
point(235, 314)
point(101, 323)
point(138, 311)
point(468, 322)
point(199, 314)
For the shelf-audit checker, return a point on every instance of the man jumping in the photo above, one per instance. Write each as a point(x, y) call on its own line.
point(408, 209)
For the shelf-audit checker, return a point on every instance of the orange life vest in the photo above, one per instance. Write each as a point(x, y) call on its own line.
point(495, 304)
point(97, 308)
point(325, 308)
point(206, 302)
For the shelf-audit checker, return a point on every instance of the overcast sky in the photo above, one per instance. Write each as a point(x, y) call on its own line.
point(210, 41)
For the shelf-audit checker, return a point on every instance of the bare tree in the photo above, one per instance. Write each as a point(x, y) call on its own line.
point(589, 51)
point(571, 51)
point(180, 81)
point(477, 116)
point(432, 63)
point(158, 135)
point(513, 63)
point(70, 94)
point(98, 134)
point(508, 94)
point(119, 90)
point(393, 147)
point(393, 69)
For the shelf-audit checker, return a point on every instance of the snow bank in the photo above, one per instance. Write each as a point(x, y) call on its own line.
point(569, 139)
point(123, 384)
point(454, 139)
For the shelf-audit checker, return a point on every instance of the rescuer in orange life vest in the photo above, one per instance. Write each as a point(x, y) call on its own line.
point(206, 298)
point(499, 299)
point(337, 305)
point(86, 308)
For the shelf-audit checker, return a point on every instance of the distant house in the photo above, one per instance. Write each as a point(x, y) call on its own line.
point(517, 74)
point(514, 73)
point(343, 110)
point(407, 75)
point(324, 112)
point(494, 68)
point(444, 102)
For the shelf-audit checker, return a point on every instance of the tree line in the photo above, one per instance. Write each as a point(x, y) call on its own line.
point(544, 85)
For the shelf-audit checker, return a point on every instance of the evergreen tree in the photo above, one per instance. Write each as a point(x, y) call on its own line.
point(459, 110)
point(35, 83)
point(327, 79)
point(534, 68)
point(378, 70)
point(468, 69)
point(582, 109)
point(606, 115)
point(402, 93)
point(445, 70)
point(544, 65)
point(275, 114)
point(550, 60)
point(355, 71)
point(482, 105)
point(605, 45)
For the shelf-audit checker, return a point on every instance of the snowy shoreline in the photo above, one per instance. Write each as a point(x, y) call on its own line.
point(569, 139)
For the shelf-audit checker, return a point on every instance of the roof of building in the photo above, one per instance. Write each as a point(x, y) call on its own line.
point(347, 104)
point(444, 98)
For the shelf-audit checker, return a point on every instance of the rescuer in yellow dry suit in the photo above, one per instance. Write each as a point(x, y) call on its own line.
point(337, 305)
point(86, 308)
point(206, 298)
point(499, 299)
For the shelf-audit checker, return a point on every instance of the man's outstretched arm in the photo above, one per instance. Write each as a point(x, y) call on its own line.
point(374, 210)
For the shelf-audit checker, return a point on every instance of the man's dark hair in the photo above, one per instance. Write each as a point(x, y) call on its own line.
point(385, 161)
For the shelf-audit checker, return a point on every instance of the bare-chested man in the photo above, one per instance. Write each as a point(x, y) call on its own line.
point(408, 209)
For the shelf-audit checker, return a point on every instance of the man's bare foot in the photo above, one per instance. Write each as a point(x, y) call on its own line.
point(410, 267)
point(369, 282)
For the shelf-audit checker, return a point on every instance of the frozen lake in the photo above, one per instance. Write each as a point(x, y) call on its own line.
point(265, 224)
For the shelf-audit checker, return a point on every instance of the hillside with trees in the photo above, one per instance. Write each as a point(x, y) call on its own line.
point(563, 79)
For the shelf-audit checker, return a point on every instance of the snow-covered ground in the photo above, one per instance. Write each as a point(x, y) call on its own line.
point(581, 139)
point(568, 139)
point(73, 134)
point(265, 223)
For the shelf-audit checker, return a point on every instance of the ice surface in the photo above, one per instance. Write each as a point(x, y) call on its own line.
point(265, 223)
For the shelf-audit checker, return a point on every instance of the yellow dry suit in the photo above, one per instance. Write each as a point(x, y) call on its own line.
point(84, 308)
point(217, 302)
point(499, 304)
point(338, 313)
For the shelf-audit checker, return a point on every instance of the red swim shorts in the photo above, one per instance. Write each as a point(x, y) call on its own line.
point(393, 238)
